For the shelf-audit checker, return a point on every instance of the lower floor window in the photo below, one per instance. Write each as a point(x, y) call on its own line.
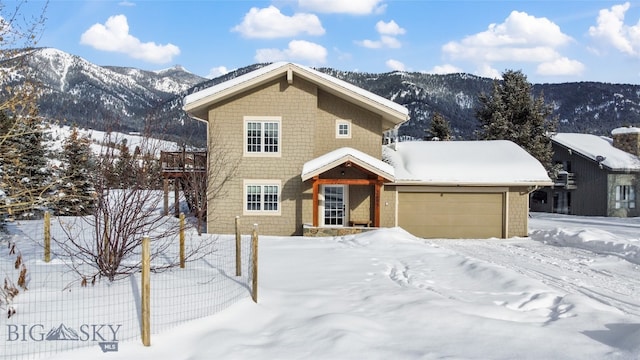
point(625, 197)
point(262, 197)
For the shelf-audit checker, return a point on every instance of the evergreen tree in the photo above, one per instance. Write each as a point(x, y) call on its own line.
point(76, 193)
point(27, 175)
point(125, 167)
point(511, 112)
point(439, 129)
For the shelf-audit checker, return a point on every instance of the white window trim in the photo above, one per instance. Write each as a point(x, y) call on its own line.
point(261, 182)
point(349, 129)
point(262, 119)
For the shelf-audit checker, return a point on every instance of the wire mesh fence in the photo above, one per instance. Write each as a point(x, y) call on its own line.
point(49, 307)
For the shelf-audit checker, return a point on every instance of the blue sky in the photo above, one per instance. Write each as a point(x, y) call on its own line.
point(550, 41)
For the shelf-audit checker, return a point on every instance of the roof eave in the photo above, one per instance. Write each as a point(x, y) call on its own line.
point(199, 106)
point(388, 113)
point(375, 170)
point(472, 183)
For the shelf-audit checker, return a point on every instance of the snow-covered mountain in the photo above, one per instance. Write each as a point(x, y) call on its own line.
point(76, 91)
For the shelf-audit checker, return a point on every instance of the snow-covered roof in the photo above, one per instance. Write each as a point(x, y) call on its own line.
point(339, 156)
point(197, 103)
point(625, 130)
point(598, 149)
point(481, 163)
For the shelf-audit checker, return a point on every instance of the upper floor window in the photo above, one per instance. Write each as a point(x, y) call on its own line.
point(262, 135)
point(343, 129)
point(625, 197)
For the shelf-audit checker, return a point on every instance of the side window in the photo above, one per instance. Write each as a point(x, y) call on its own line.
point(625, 197)
point(343, 129)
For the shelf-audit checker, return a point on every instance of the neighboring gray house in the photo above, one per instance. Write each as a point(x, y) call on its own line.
point(599, 177)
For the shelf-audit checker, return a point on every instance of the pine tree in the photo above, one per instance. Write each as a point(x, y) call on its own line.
point(439, 129)
point(76, 193)
point(125, 167)
point(511, 112)
point(27, 175)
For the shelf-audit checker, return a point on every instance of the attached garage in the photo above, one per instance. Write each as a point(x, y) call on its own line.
point(451, 214)
point(463, 189)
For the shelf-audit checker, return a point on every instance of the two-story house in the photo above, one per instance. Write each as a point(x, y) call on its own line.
point(599, 175)
point(307, 154)
point(273, 121)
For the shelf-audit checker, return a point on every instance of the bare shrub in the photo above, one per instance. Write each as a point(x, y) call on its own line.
point(107, 243)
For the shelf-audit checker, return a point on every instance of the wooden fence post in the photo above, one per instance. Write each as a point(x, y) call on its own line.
point(238, 248)
point(47, 236)
point(176, 196)
point(165, 203)
point(182, 240)
point(146, 292)
point(254, 263)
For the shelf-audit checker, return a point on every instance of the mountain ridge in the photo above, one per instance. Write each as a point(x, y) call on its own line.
point(76, 91)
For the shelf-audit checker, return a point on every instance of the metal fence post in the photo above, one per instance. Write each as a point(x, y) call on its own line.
point(47, 236)
point(238, 249)
point(254, 263)
point(146, 292)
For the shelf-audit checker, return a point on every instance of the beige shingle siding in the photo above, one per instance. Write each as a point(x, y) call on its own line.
point(366, 127)
point(296, 107)
point(518, 216)
point(388, 197)
point(306, 132)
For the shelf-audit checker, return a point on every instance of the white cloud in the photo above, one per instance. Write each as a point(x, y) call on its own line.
point(390, 28)
point(445, 69)
point(395, 65)
point(520, 38)
point(387, 39)
point(384, 42)
point(561, 67)
point(217, 71)
point(485, 70)
point(353, 7)
point(114, 36)
point(269, 23)
point(612, 31)
point(298, 50)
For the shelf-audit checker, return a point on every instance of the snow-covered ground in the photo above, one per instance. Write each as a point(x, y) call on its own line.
point(569, 291)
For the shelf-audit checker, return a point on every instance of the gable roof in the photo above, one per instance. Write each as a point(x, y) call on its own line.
point(339, 156)
point(480, 163)
point(599, 149)
point(197, 104)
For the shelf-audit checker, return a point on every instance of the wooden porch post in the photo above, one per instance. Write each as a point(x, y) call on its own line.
point(176, 194)
point(376, 203)
point(316, 202)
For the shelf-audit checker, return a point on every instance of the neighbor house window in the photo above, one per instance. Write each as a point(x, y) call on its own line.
point(625, 197)
point(262, 197)
point(343, 129)
point(262, 135)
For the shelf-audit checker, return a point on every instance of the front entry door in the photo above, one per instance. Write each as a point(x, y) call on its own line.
point(335, 205)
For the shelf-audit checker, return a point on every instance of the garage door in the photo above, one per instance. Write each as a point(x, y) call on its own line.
point(451, 215)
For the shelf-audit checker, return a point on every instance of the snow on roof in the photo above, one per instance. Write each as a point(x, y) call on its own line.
point(593, 147)
point(339, 156)
point(279, 67)
point(496, 162)
point(198, 95)
point(625, 130)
